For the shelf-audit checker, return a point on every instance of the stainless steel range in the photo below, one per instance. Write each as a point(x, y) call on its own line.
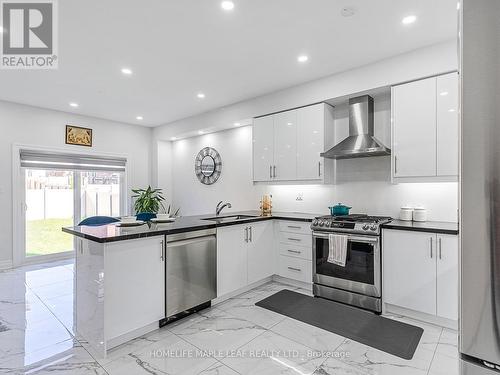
point(359, 283)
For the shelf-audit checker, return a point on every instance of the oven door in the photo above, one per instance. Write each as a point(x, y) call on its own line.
point(362, 271)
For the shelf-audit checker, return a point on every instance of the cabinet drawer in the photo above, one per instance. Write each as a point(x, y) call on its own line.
point(296, 239)
point(295, 227)
point(295, 268)
point(295, 251)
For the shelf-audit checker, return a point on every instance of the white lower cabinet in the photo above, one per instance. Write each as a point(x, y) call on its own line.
point(295, 268)
point(134, 284)
point(245, 254)
point(231, 258)
point(420, 272)
point(447, 276)
point(295, 251)
point(260, 252)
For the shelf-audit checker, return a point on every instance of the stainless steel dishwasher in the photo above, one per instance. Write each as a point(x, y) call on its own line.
point(191, 271)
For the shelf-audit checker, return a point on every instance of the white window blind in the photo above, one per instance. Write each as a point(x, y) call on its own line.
point(50, 160)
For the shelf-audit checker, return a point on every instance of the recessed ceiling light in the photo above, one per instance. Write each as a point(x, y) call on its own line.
point(200, 95)
point(451, 110)
point(236, 124)
point(139, 118)
point(302, 58)
point(74, 105)
point(127, 71)
point(409, 20)
point(227, 5)
point(444, 93)
point(348, 11)
point(201, 132)
point(458, 5)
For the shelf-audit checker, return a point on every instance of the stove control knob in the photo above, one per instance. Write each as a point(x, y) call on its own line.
point(365, 227)
point(315, 222)
point(321, 223)
point(373, 228)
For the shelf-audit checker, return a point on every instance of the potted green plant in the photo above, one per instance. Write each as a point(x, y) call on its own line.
point(148, 202)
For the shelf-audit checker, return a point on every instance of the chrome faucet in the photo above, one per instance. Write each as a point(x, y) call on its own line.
point(220, 207)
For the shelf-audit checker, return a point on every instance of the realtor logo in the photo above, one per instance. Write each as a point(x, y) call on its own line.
point(29, 32)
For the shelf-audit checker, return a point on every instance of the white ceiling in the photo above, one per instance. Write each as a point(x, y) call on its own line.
point(179, 48)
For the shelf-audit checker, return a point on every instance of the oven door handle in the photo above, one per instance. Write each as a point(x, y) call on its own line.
point(366, 239)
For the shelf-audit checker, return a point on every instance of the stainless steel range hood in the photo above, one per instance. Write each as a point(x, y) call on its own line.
point(361, 142)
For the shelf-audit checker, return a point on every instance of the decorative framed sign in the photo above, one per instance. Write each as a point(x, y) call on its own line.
point(76, 135)
point(208, 166)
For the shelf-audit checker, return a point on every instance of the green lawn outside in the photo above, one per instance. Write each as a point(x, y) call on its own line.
point(45, 236)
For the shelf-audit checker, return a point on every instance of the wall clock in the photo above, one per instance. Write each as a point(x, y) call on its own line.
point(208, 166)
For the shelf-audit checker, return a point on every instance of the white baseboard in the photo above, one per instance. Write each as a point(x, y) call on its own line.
point(5, 264)
point(291, 282)
point(240, 291)
point(426, 318)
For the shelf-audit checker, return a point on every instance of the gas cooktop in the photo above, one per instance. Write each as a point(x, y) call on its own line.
point(355, 223)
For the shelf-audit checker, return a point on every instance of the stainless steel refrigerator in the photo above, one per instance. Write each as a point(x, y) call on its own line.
point(479, 339)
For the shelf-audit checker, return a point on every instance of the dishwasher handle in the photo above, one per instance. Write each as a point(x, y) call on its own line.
point(190, 241)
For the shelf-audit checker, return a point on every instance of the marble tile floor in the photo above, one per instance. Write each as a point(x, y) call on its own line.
point(233, 337)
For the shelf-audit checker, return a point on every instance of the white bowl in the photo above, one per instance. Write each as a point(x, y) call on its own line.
point(162, 216)
point(128, 219)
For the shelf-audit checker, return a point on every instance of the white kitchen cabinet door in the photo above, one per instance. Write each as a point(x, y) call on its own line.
point(410, 270)
point(447, 276)
point(447, 125)
point(310, 141)
point(231, 259)
point(414, 128)
point(263, 148)
point(134, 284)
point(285, 146)
point(260, 252)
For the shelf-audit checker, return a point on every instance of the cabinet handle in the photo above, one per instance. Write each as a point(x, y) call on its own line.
point(294, 251)
point(246, 234)
point(294, 269)
point(293, 227)
point(395, 164)
point(274, 169)
point(294, 239)
point(270, 171)
point(162, 253)
point(432, 246)
point(439, 247)
point(319, 169)
point(250, 238)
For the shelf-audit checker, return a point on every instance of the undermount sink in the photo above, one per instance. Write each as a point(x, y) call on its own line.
point(230, 218)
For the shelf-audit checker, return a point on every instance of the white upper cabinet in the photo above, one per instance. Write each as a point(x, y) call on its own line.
point(310, 136)
point(285, 146)
point(447, 120)
point(414, 128)
point(425, 128)
point(263, 148)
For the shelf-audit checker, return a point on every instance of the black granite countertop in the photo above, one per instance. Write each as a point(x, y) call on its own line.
point(112, 233)
point(442, 227)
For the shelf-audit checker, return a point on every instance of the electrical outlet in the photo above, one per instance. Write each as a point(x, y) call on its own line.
point(300, 197)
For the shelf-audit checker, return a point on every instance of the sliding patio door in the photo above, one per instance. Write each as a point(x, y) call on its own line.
point(61, 190)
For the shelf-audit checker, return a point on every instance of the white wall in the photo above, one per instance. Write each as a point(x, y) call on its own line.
point(21, 124)
point(369, 191)
point(235, 183)
point(363, 183)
